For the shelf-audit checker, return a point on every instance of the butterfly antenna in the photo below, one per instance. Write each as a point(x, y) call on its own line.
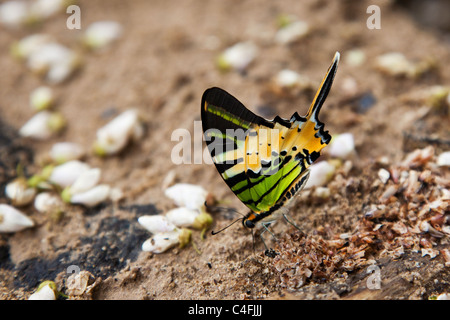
point(223, 209)
point(216, 232)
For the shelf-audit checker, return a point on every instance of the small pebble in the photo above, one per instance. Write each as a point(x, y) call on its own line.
point(384, 175)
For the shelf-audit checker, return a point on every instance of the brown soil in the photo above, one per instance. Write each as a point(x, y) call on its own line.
point(161, 66)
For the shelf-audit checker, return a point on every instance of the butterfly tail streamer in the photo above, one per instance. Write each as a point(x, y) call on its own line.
point(323, 90)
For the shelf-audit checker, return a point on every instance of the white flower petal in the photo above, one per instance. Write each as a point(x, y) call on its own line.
point(54, 58)
point(160, 242)
point(102, 33)
point(60, 71)
point(12, 220)
point(239, 56)
point(395, 64)
point(92, 197)
point(182, 217)
point(45, 293)
point(37, 127)
point(355, 57)
point(322, 192)
point(41, 98)
point(292, 32)
point(114, 136)
point(443, 296)
point(116, 194)
point(87, 180)
point(187, 195)
point(156, 223)
point(342, 146)
point(320, 173)
point(13, 13)
point(46, 202)
point(65, 151)
point(287, 78)
point(30, 44)
point(42, 125)
point(42, 9)
point(46, 55)
point(19, 192)
point(65, 174)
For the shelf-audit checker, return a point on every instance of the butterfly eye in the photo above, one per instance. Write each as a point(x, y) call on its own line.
point(249, 224)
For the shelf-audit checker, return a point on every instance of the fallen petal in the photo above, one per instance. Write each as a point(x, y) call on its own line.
point(115, 135)
point(92, 197)
point(342, 146)
point(65, 151)
point(42, 125)
point(47, 202)
point(41, 98)
point(45, 292)
point(67, 173)
point(160, 242)
point(237, 57)
point(12, 220)
point(87, 180)
point(102, 33)
point(182, 217)
point(443, 296)
point(355, 57)
point(19, 192)
point(292, 32)
point(320, 173)
point(53, 59)
point(187, 195)
point(156, 223)
point(30, 44)
point(395, 64)
point(13, 13)
point(43, 9)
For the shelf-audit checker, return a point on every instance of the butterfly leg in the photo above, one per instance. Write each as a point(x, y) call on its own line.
point(292, 223)
point(266, 228)
point(268, 252)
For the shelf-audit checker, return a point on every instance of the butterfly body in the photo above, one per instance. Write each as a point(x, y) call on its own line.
point(264, 162)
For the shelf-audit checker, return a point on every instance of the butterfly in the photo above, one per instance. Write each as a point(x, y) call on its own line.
point(264, 162)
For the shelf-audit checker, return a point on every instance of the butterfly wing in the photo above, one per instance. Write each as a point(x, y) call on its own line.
point(264, 162)
point(227, 125)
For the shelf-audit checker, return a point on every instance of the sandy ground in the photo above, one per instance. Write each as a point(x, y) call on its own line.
point(161, 65)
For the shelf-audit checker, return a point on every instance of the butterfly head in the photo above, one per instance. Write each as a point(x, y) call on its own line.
point(249, 221)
